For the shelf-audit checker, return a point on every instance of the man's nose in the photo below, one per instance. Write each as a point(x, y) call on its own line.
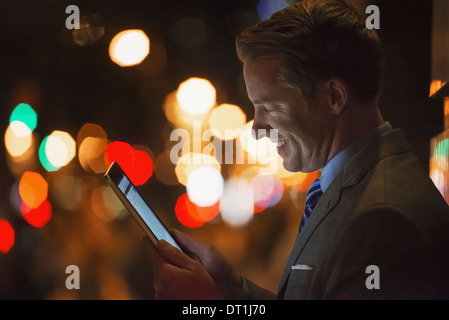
point(260, 128)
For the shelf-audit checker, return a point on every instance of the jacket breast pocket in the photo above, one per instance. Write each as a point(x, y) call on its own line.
point(298, 284)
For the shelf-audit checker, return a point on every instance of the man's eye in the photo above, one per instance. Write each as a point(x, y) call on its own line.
point(267, 109)
point(271, 109)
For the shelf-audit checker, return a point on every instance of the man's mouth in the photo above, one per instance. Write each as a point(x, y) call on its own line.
point(281, 143)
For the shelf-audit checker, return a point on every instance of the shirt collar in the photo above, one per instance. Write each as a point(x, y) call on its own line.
point(336, 164)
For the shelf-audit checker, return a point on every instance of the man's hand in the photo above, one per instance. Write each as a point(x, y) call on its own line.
point(177, 276)
point(199, 273)
point(227, 280)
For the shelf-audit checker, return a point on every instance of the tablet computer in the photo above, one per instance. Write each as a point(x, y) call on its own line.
point(133, 201)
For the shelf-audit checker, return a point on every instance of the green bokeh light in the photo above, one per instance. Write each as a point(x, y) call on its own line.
point(43, 157)
point(442, 148)
point(25, 113)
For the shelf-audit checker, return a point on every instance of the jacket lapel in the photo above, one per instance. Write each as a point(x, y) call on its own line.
point(326, 203)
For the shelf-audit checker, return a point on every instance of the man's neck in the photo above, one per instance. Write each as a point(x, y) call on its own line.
point(352, 125)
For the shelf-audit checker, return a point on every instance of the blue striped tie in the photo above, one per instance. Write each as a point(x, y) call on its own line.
point(313, 196)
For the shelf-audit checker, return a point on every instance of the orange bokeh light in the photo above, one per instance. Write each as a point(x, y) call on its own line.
point(33, 189)
point(436, 85)
point(305, 183)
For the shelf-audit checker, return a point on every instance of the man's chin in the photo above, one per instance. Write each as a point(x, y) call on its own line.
point(290, 166)
point(295, 167)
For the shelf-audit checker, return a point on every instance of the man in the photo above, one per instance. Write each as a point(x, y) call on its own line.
point(374, 225)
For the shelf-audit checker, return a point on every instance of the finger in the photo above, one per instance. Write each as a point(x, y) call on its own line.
point(186, 242)
point(173, 255)
point(166, 282)
point(155, 257)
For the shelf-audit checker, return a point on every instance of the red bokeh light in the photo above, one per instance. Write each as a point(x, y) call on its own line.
point(261, 206)
point(193, 216)
point(7, 236)
point(137, 164)
point(39, 216)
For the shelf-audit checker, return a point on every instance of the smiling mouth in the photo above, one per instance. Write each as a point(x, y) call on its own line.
point(281, 143)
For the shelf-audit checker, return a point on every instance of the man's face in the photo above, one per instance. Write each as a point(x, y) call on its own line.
point(305, 132)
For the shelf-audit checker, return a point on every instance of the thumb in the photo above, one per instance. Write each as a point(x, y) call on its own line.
point(173, 255)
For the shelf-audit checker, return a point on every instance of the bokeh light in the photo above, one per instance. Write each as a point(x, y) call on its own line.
point(185, 214)
point(205, 186)
point(14, 196)
point(192, 161)
point(266, 8)
point(17, 145)
point(137, 164)
point(92, 142)
point(7, 236)
point(268, 190)
point(178, 117)
point(193, 216)
point(196, 95)
point(90, 30)
point(237, 202)
point(39, 216)
point(439, 164)
point(90, 130)
point(20, 129)
point(435, 85)
point(43, 157)
point(33, 189)
point(60, 148)
point(91, 154)
point(300, 181)
point(69, 192)
point(227, 121)
point(106, 205)
point(26, 114)
point(27, 161)
point(129, 47)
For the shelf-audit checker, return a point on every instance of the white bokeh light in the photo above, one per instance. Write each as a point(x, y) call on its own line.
point(205, 186)
point(196, 96)
point(60, 148)
point(237, 202)
point(129, 47)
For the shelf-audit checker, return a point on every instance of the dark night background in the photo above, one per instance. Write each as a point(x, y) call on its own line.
point(79, 84)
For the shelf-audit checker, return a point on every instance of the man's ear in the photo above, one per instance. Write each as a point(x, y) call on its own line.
point(338, 95)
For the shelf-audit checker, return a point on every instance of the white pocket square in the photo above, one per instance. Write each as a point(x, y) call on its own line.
point(302, 267)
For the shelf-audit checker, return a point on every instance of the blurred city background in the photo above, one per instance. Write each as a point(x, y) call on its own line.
point(141, 83)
